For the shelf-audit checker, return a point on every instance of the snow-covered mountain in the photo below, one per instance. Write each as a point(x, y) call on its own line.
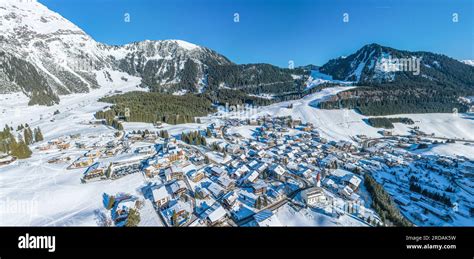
point(469, 62)
point(376, 64)
point(44, 55)
point(35, 40)
point(171, 65)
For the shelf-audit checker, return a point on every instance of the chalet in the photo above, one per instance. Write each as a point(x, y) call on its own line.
point(385, 133)
point(195, 176)
point(216, 215)
point(352, 181)
point(259, 187)
point(419, 216)
point(251, 177)
point(330, 162)
point(441, 213)
point(178, 212)
point(330, 184)
point(233, 149)
point(295, 122)
point(120, 169)
point(252, 152)
point(135, 137)
point(92, 154)
point(277, 171)
point(216, 190)
point(261, 167)
point(276, 192)
point(197, 160)
point(94, 172)
point(314, 196)
point(226, 182)
point(230, 198)
point(202, 193)
point(253, 164)
point(346, 191)
point(306, 173)
point(147, 150)
point(151, 171)
point(261, 153)
point(415, 197)
point(239, 172)
point(174, 173)
point(44, 147)
point(178, 188)
point(222, 145)
point(83, 162)
point(248, 197)
point(402, 201)
point(161, 196)
point(217, 171)
point(234, 163)
point(63, 145)
point(122, 208)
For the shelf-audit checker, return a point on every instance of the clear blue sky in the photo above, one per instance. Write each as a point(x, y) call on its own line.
point(276, 31)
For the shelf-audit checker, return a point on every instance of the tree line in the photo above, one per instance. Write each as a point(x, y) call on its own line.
point(387, 123)
point(18, 146)
point(193, 138)
point(154, 107)
point(383, 203)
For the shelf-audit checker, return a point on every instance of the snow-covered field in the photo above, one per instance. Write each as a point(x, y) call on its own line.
point(33, 192)
point(452, 149)
point(311, 217)
point(343, 124)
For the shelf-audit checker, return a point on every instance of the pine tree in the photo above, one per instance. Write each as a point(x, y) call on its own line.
point(258, 203)
point(28, 136)
point(38, 135)
point(20, 150)
point(133, 218)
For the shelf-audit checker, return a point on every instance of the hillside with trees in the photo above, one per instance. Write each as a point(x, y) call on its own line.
point(383, 204)
point(435, 88)
point(155, 107)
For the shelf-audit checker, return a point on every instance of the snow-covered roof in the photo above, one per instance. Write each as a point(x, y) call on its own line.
point(217, 214)
point(160, 193)
point(278, 169)
point(215, 189)
point(355, 180)
point(252, 176)
point(176, 186)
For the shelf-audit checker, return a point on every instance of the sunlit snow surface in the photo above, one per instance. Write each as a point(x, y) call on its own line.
point(55, 196)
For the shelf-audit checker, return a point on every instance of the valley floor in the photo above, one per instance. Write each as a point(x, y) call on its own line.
point(37, 193)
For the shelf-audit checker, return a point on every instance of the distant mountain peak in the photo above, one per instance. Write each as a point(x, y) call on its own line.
point(377, 64)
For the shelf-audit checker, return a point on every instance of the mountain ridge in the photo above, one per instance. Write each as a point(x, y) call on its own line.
point(45, 56)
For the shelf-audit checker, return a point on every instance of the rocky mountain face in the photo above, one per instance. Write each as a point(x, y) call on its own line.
point(374, 64)
point(169, 65)
point(44, 55)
